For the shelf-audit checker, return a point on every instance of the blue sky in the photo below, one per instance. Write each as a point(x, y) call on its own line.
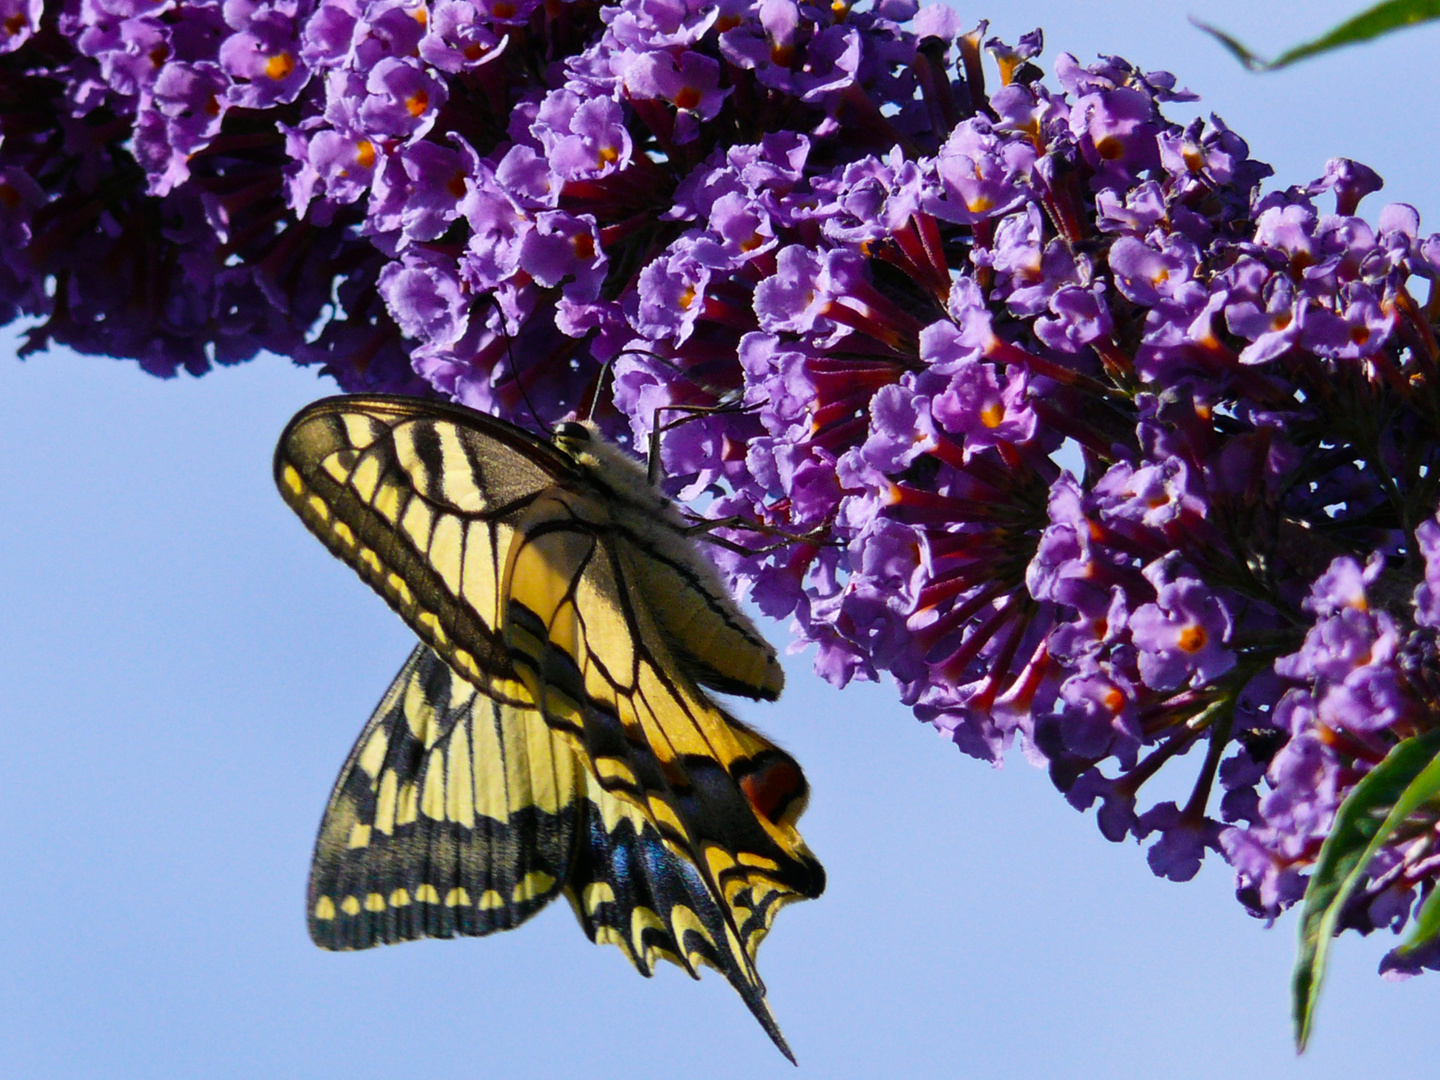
point(184, 669)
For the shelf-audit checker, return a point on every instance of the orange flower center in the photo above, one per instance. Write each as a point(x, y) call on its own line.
point(1191, 639)
point(279, 66)
point(1110, 149)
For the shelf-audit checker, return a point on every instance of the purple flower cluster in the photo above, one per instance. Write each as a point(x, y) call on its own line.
point(1024, 394)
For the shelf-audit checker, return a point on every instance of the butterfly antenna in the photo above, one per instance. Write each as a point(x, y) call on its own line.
point(514, 369)
point(609, 365)
point(652, 456)
point(599, 385)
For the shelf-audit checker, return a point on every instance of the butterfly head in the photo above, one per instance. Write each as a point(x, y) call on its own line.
point(574, 436)
point(607, 463)
point(581, 441)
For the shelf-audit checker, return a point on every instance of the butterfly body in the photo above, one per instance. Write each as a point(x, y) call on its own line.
point(551, 734)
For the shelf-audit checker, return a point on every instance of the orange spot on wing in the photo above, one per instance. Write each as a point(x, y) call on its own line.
point(771, 788)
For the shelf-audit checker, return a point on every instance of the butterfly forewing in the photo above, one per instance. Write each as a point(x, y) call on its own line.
point(423, 507)
point(698, 621)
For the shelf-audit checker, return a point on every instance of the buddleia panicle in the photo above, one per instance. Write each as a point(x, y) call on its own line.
point(900, 267)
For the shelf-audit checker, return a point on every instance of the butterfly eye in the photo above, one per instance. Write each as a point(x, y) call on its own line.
point(572, 431)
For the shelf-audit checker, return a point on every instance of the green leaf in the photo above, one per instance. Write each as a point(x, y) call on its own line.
point(1408, 777)
point(1380, 19)
point(1426, 924)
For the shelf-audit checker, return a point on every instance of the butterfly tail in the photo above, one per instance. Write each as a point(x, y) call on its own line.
point(631, 889)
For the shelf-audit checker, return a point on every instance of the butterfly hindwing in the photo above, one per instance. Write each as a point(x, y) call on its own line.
point(651, 734)
point(458, 815)
point(454, 814)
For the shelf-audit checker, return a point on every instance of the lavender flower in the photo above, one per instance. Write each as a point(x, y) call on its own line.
point(886, 298)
